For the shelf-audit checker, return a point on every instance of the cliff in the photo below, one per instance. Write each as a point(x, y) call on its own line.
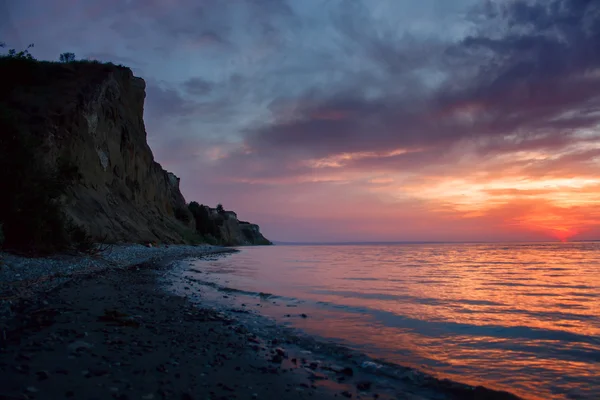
point(236, 232)
point(80, 129)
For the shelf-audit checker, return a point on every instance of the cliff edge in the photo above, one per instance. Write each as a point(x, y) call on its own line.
point(75, 131)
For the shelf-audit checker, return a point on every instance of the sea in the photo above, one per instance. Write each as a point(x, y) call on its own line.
point(523, 318)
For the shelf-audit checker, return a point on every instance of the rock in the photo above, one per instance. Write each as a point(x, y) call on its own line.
point(363, 385)
point(304, 315)
point(98, 372)
point(346, 394)
point(348, 371)
point(42, 375)
point(280, 351)
point(162, 368)
point(316, 376)
point(79, 345)
point(313, 365)
point(23, 369)
point(32, 389)
point(277, 359)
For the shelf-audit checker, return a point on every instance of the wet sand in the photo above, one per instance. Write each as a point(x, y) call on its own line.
point(117, 335)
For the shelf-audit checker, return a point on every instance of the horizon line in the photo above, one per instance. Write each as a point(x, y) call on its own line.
point(430, 242)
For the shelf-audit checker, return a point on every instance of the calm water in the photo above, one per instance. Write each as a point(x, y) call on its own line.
point(523, 318)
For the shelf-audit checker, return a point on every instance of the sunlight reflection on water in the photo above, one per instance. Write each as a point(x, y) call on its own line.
point(522, 317)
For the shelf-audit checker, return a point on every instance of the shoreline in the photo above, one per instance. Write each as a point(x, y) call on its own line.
point(115, 333)
point(23, 277)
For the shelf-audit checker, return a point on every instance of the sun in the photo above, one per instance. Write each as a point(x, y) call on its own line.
point(563, 233)
point(552, 224)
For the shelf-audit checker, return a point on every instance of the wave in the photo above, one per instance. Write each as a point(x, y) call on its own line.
point(431, 328)
point(227, 289)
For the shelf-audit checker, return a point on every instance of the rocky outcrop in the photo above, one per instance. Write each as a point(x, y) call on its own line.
point(90, 116)
point(234, 232)
point(252, 234)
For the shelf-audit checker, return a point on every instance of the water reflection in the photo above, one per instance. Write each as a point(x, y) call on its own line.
point(523, 318)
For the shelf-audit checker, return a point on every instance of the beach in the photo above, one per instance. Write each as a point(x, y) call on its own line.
point(114, 333)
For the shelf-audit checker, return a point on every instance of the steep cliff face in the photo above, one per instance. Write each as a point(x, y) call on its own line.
point(123, 193)
point(91, 116)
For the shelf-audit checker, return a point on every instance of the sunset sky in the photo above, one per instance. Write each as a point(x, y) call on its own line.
point(372, 120)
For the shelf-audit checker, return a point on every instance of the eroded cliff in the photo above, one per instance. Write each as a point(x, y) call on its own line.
point(87, 118)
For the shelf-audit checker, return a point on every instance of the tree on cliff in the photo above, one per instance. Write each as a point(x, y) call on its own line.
point(220, 208)
point(18, 54)
point(205, 224)
point(67, 57)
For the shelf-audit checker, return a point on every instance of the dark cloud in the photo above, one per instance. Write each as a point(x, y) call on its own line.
point(7, 26)
point(203, 23)
point(198, 86)
point(539, 77)
point(164, 102)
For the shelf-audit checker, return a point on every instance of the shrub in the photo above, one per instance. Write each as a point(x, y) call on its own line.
point(182, 214)
point(206, 226)
point(67, 57)
point(210, 239)
point(191, 237)
point(25, 54)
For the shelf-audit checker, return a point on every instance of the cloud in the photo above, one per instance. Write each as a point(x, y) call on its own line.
point(198, 86)
point(449, 116)
point(107, 57)
point(539, 80)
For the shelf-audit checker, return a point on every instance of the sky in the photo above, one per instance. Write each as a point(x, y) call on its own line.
point(359, 120)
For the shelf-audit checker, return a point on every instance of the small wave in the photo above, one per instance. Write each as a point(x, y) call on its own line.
point(227, 289)
point(408, 298)
point(361, 279)
point(436, 328)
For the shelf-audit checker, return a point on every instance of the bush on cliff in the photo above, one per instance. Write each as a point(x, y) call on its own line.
point(67, 57)
point(207, 227)
point(13, 53)
point(182, 215)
